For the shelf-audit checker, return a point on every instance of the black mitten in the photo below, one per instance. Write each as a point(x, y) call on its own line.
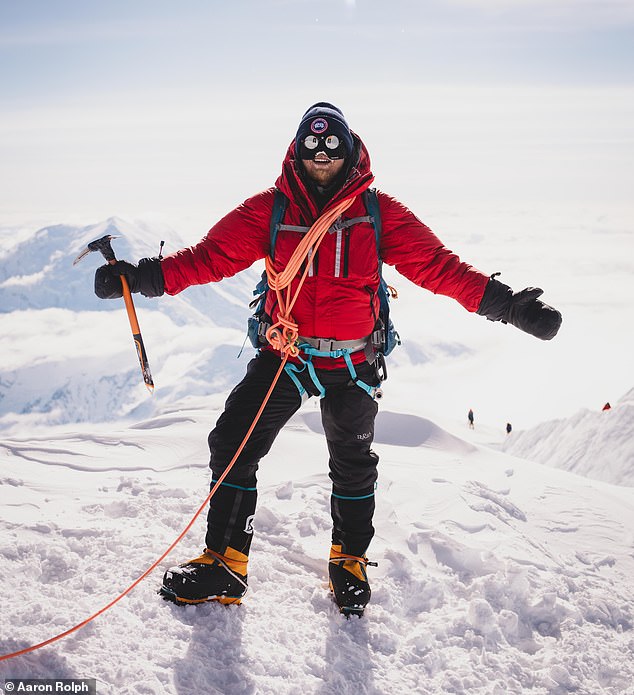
point(146, 278)
point(521, 309)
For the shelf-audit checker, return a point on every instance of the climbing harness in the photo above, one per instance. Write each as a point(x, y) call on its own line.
point(307, 364)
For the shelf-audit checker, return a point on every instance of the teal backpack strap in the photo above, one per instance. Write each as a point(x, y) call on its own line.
point(280, 203)
point(257, 325)
point(371, 202)
point(387, 338)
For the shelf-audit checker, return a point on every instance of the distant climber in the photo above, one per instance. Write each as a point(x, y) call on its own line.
point(509, 428)
point(470, 416)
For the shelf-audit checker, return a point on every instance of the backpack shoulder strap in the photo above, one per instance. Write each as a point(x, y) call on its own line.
point(280, 203)
point(371, 202)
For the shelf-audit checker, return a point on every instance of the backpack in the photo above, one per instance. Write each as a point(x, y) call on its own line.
point(384, 337)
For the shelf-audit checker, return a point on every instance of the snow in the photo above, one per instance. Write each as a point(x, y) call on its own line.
point(497, 573)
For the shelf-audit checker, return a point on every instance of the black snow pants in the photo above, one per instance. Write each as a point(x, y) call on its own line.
point(348, 415)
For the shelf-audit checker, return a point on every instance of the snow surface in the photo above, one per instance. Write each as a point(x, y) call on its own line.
point(496, 574)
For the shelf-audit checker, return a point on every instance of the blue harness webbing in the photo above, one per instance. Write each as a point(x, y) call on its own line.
point(293, 370)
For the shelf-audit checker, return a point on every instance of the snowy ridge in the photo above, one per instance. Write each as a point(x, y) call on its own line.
point(69, 356)
point(495, 575)
point(597, 444)
point(37, 272)
point(88, 370)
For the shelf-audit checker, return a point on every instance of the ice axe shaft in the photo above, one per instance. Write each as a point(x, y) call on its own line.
point(136, 333)
point(104, 246)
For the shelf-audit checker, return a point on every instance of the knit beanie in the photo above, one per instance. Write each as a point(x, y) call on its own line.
point(324, 119)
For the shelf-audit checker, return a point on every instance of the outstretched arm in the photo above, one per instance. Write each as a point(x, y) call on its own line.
point(417, 253)
point(233, 244)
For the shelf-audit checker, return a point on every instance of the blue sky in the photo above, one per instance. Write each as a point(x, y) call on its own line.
point(65, 48)
point(129, 107)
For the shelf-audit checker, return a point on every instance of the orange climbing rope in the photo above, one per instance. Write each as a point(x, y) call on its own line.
point(283, 335)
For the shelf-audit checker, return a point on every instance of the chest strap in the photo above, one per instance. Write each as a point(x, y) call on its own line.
point(334, 227)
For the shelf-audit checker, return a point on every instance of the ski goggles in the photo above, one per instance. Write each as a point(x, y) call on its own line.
point(332, 145)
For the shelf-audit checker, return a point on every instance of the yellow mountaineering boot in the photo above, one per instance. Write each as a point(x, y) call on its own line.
point(209, 577)
point(349, 581)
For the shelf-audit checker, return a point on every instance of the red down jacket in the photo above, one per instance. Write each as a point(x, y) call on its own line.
point(339, 297)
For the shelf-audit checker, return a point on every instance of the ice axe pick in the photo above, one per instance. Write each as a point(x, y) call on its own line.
point(104, 246)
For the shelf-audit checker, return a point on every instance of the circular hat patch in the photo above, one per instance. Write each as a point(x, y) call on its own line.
point(319, 125)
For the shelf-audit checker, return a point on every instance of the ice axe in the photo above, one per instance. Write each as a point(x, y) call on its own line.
point(105, 247)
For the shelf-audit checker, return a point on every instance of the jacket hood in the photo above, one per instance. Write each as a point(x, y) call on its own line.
point(293, 183)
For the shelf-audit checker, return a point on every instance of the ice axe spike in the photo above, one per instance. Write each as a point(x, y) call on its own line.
point(104, 246)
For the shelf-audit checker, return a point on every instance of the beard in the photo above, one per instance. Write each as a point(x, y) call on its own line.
point(323, 175)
